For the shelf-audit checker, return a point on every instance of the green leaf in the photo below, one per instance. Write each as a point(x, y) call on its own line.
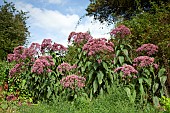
point(23, 83)
point(148, 81)
point(125, 51)
point(155, 87)
point(48, 92)
point(101, 92)
point(96, 66)
point(163, 80)
point(105, 65)
point(91, 75)
point(155, 101)
point(121, 59)
point(95, 85)
point(128, 92)
point(100, 76)
point(142, 92)
point(117, 53)
point(161, 72)
point(121, 47)
point(147, 72)
point(82, 69)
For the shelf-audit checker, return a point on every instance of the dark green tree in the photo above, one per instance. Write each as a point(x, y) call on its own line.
point(108, 10)
point(13, 29)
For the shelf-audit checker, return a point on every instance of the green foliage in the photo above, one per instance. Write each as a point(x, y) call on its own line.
point(110, 10)
point(114, 102)
point(153, 28)
point(166, 103)
point(13, 29)
point(122, 51)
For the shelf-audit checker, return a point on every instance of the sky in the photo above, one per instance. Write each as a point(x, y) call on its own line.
point(55, 19)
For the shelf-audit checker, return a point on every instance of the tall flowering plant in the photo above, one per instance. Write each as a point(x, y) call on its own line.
point(99, 54)
point(126, 76)
point(122, 47)
point(73, 85)
point(151, 79)
point(34, 70)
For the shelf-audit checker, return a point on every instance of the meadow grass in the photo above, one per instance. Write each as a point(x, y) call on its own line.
point(114, 102)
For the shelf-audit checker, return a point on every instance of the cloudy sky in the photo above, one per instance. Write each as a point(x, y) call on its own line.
point(55, 19)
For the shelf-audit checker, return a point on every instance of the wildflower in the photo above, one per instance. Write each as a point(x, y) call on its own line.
point(58, 47)
point(94, 46)
point(73, 81)
point(143, 61)
point(62, 68)
point(46, 45)
point(156, 66)
point(16, 69)
point(79, 37)
point(127, 70)
point(150, 49)
point(42, 63)
point(11, 98)
point(121, 31)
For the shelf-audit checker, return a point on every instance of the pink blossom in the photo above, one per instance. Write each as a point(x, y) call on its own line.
point(46, 45)
point(79, 37)
point(62, 68)
point(94, 46)
point(73, 81)
point(156, 66)
point(126, 69)
point(41, 64)
point(150, 49)
point(143, 61)
point(121, 31)
point(11, 97)
point(58, 47)
point(16, 69)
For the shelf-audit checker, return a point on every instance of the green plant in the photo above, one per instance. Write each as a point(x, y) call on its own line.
point(165, 102)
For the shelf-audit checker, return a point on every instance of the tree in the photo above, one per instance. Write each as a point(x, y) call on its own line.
point(108, 10)
point(13, 29)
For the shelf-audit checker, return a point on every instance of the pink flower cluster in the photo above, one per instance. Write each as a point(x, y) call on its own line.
point(94, 46)
point(79, 37)
point(48, 46)
point(73, 81)
point(121, 31)
point(11, 98)
point(21, 53)
point(16, 69)
point(127, 70)
point(62, 68)
point(42, 63)
point(58, 47)
point(150, 49)
point(143, 61)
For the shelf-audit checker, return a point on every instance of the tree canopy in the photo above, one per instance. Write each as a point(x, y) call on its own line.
point(108, 10)
point(13, 29)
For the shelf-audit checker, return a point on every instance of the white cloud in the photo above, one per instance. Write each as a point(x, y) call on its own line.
point(53, 24)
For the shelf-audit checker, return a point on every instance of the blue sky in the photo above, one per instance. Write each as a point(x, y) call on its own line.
point(55, 19)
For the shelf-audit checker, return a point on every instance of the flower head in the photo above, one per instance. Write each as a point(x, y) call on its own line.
point(64, 67)
point(79, 37)
point(150, 49)
point(41, 64)
point(143, 61)
point(127, 70)
point(46, 45)
point(94, 46)
point(121, 31)
point(73, 81)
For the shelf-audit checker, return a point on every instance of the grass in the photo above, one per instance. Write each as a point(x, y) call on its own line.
point(114, 102)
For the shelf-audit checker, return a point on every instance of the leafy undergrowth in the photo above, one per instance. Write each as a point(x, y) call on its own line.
point(114, 102)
